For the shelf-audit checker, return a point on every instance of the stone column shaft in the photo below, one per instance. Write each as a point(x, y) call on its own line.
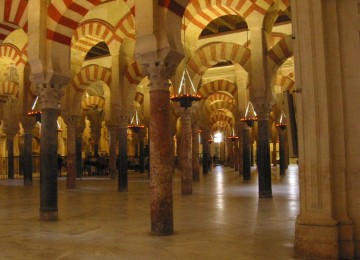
point(113, 129)
point(263, 159)
point(161, 198)
point(10, 145)
point(78, 152)
point(141, 151)
point(123, 159)
point(71, 122)
point(282, 151)
point(48, 165)
point(186, 172)
point(206, 151)
point(195, 154)
point(246, 155)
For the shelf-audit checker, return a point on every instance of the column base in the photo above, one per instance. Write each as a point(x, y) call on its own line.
point(315, 241)
point(123, 189)
point(28, 183)
point(265, 194)
point(346, 243)
point(49, 216)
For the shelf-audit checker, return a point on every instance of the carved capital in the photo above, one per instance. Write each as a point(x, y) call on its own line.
point(50, 95)
point(262, 110)
point(158, 76)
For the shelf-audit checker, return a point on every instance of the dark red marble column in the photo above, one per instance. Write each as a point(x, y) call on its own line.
point(49, 100)
point(71, 122)
point(246, 154)
point(161, 198)
point(78, 150)
point(28, 125)
point(206, 151)
point(113, 129)
point(123, 156)
point(10, 148)
point(195, 153)
point(186, 172)
point(282, 151)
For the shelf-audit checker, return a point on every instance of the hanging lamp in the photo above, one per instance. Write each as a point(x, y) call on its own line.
point(211, 139)
point(187, 92)
point(135, 125)
point(250, 115)
point(35, 113)
point(233, 137)
point(282, 121)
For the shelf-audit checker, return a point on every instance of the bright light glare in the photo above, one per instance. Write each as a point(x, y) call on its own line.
point(218, 137)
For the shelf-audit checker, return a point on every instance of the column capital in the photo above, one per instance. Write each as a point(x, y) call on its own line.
point(158, 75)
point(262, 110)
point(50, 95)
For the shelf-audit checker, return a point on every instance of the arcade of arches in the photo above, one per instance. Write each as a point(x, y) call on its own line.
point(89, 66)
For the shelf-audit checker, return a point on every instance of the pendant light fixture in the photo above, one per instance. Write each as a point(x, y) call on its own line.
point(250, 115)
point(282, 120)
point(187, 92)
point(35, 113)
point(135, 125)
point(233, 137)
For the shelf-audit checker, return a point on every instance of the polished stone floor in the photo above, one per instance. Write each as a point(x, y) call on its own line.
point(223, 219)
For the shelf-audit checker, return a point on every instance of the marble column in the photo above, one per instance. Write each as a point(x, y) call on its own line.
point(231, 155)
point(10, 146)
point(50, 95)
point(161, 198)
point(78, 150)
point(186, 172)
point(273, 154)
point(246, 154)
point(206, 151)
point(195, 152)
point(28, 124)
point(282, 151)
point(123, 156)
point(113, 130)
point(240, 151)
point(236, 155)
point(141, 136)
point(263, 154)
point(71, 122)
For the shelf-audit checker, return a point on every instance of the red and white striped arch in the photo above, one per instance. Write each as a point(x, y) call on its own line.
point(90, 74)
point(92, 101)
point(281, 51)
point(211, 54)
point(285, 82)
point(12, 52)
point(139, 97)
point(221, 126)
point(223, 96)
point(218, 105)
point(201, 13)
point(134, 74)
point(65, 16)
point(91, 33)
point(217, 85)
point(125, 29)
point(221, 116)
point(13, 15)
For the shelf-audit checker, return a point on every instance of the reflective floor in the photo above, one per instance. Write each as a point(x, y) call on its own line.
point(223, 219)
